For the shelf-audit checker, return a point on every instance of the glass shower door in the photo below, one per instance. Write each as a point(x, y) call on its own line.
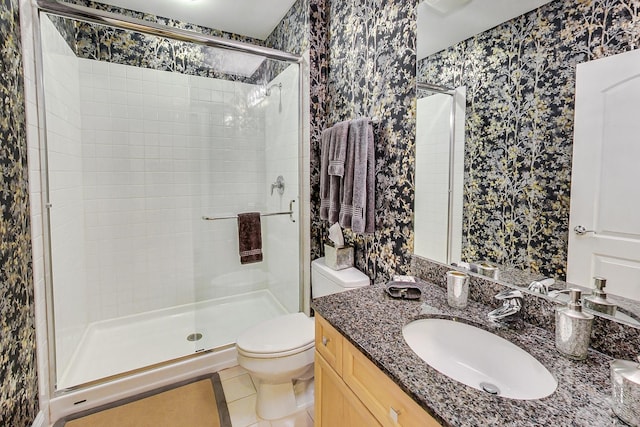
point(140, 147)
point(259, 143)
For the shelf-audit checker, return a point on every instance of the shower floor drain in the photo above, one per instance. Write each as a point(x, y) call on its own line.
point(194, 337)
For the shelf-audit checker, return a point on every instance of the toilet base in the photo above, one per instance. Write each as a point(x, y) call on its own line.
point(275, 400)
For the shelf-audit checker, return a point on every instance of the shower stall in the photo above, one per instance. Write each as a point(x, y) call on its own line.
point(153, 143)
point(439, 174)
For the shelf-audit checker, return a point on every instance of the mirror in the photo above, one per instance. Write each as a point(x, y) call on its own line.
point(519, 75)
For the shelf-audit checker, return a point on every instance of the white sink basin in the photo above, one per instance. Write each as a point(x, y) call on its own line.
point(479, 359)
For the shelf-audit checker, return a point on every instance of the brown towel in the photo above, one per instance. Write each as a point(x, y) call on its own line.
point(250, 237)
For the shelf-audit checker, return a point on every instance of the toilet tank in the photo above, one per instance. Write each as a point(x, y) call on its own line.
point(325, 281)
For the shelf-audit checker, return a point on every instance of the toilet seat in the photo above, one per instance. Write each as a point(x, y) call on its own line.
point(278, 337)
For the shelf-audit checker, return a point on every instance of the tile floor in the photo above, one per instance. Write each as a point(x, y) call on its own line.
point(240, 393)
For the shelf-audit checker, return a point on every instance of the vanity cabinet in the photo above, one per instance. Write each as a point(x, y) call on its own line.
point(351, 391)
point(336, 404)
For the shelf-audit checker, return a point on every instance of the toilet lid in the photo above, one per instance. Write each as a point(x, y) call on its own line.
point(278, 335)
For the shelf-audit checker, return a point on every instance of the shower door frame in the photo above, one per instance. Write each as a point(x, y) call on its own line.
point(443, 90)
point(101, 17)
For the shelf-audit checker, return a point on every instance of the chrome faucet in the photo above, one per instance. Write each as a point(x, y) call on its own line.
point(511, 305)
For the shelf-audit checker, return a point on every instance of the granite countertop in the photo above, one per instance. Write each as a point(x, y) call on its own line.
point(373, 322)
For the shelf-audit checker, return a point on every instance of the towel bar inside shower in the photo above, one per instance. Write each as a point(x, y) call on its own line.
point(289, 212)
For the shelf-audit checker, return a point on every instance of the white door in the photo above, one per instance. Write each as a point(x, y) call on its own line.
point(605, 182)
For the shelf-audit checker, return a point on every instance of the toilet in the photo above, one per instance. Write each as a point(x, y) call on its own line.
point(278, 353)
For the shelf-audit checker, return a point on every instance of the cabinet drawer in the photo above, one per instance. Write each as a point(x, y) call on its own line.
point(329, 344)
point(386, 401)
point(336, 405)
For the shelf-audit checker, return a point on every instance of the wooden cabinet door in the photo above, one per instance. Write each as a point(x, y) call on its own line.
point(336, 405)
point(384, 398)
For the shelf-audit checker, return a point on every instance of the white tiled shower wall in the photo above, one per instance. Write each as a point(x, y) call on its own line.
point(432, 175)
point(164, 150)
point(152, 152)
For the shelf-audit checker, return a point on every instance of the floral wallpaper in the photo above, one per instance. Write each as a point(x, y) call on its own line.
point(363, 65)
point(292, 33)
point(318, 78)
point(520, 79)
point(18, 380)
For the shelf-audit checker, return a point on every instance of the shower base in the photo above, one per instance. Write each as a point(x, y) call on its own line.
point(113, 347)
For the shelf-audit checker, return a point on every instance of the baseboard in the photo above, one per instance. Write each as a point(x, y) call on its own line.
point(40, 420)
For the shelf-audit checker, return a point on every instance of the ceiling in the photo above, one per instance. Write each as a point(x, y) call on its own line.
point(443, 23)
point(252, 18)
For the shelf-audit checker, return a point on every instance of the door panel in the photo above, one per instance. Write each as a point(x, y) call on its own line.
point(605, 197)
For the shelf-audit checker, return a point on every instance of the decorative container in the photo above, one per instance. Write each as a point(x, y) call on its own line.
point(338, 257)
point(457, 289)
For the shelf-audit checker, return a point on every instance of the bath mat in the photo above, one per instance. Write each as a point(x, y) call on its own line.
point(199, 402)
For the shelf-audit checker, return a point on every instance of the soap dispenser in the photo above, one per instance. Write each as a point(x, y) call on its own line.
point(625, 379)
point(573, 328)
point(598, 301)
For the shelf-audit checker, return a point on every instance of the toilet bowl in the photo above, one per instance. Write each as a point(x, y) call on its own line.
point(278, 353)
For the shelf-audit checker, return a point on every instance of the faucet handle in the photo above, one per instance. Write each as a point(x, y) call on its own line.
point(509, 294)
point(557, 292)
point(541, 286)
